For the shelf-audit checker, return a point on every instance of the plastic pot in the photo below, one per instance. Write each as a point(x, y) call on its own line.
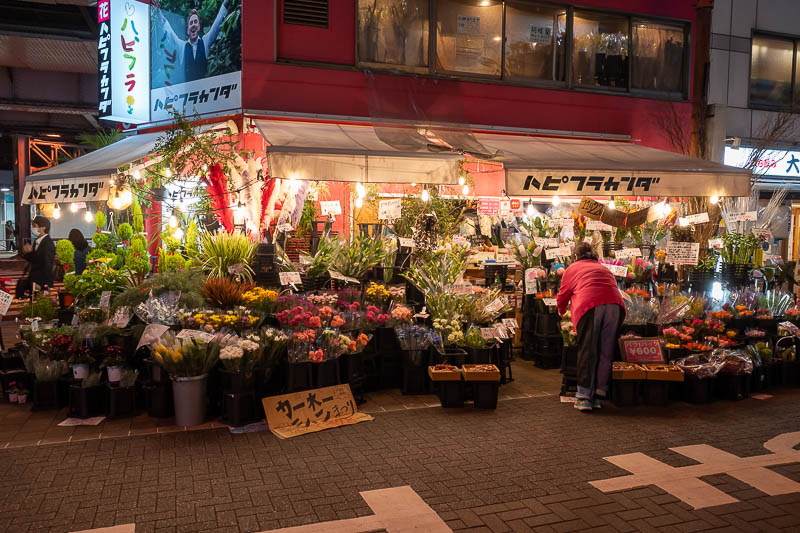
point(114, 374)
point(189, 397)
point(80, 371)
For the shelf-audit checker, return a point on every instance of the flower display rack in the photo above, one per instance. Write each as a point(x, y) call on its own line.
point(121, 401)
point(45, 395)
point(238, 409)
point(86, 402)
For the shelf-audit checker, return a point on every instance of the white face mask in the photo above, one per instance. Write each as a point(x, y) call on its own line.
point(35, 231)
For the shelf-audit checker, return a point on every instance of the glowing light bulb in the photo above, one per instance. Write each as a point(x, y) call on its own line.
point(359, 202)
point(714, 199)
point(683, 222)
point(173, 221)
point(556, 200)
point(57, 212)
point(205, 168)
point(465, 190)
point(612, 204)
point(168, 173)
point(461, 180)
point(530, 211)
point(667, 209)
point(136, 175)
point(361, 190)
point(425, 195)
point(178, 233)
point(413, 184)
point(73, 207)
point(88, 217)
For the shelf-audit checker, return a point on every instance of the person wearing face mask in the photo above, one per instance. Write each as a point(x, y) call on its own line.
point(41, 255)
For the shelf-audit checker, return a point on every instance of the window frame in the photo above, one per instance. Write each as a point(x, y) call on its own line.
point(567, 85)
point(794, 103)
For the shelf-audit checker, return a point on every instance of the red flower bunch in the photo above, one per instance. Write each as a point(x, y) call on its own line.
point(61, 342)
point(375, 316)
point(316, 357)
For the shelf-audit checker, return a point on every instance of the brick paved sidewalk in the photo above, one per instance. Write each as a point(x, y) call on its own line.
point(526, 466)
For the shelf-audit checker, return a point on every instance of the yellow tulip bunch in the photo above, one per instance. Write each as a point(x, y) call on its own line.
point(185, 357)
point(260, 298)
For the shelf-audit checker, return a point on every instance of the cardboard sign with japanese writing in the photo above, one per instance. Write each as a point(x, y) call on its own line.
point(716, 244)
point(563, 251)
point(762, 233)
point(531, 285)
point(683, 253)
point(550, 302)
point(290, 415)
point(646, 350)
point(699, 218)
point(405, 242)
point(598, 225)
point(5, 302)
point(390, 209)
point(331, 208)
point(194, 334)
point(289, 277)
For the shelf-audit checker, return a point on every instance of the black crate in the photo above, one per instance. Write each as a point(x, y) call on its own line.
point(656, 393)
point(158, 399)
point(790, 374)
point(625, 392)
point(234, 382)
point(45, 395)
point(760, 379)
point(732, 386)
point(121, 401)
point(484, 394)
point(299, 376)
point(696, 390)
point(415, 380)
point(547, 325)
point(479, 356)
point(326, 373)
point(451, 393)
point(86, 402)
point(238, 409)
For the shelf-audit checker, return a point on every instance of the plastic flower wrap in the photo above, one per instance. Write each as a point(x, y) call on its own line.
point(733, 362)
point(775, 303)
point(161, 309)
point(759, 352)
point(231, 357)
point(185, 357)
point(412, 337)
point(673, 308)
point(638, 310)
point(702, 366)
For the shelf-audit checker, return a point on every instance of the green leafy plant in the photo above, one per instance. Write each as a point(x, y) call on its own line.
point(187, 282)
point(449, 214)
point(137, 219)
point(42, 307)
point(738, 249)
point(438, 271)
point(100, 221)
point(322, 259)
point(473, 338)
point(226, 254)
point(100, 139)
point(97, 278)
point(66, 253)
point(125, 232)
point(192, 249)
point(355, 258)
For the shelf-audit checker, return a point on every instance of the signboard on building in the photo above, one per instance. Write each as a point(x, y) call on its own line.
point(67, 190)
point(123, 54)
point(771, 162)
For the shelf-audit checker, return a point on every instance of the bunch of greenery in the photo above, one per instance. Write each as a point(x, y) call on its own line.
point(185, 357)
point(356, 257)
point(42, 307)
point(449, 214)
point(223, 253)
point(96, 279)
point(187, 282)
point(225, 293)
point(435, 273)
point(473, 338)
point(738, 249)
point(478, 310)
point(708, 263)
point(65, 252)
point(446, 304)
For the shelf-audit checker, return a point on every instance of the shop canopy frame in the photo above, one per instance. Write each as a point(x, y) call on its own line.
point(534, 165)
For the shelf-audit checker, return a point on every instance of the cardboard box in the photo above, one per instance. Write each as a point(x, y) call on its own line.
point(481, 373)
point(664, 373)
point(627, 371)
point(445, 374)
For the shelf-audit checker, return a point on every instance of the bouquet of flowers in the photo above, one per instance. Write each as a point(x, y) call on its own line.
point(401, 314)
point(473, 338)
point(374, 318)
point(161, 309)
point(568, 329)
point(638, 309)
point(450, 330)
point(377, 294)
point(260, 299)
point(185, 357)
point(323, 299)
point(671, 337)
point(413, 337)
point(210, 321)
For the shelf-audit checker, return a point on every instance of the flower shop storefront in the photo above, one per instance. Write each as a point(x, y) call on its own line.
point(297, 255)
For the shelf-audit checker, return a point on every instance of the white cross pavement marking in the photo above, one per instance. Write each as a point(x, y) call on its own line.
point(125, 528)
point(685, 484)
point(397, 510)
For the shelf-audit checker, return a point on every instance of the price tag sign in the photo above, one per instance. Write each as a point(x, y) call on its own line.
point(460, 240)
point(562, 222)
point(505, 208)
point(488, 207)
point(510, 323)
point(105, 299)
point(121, 317)
point(390, 209)
point(777, 259)
point(35, 325)
point(550, 302)
point(596, 225)
point(747, 216)
point(715, 244)
point(683, 253)
point(305, 260)
point(641, 350)
point(699, 218)
point(537, 251)
point(288, 278)
point(562, 251)
point(332, 207)
point(531, 280)
point(568, 232)
point(495, 306)
point(341, 277)
point(406, 242)
point(5, 302)
point(619, 271)
point(627, 253)
point(488, 333)
point(194, 334)
point(763, 233)
point(235, 269)
point(285, 227)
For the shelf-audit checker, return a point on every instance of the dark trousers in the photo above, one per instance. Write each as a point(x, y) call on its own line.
point(597, 337)
point(23, 286)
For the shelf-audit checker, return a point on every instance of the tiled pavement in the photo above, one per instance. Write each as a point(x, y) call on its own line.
point(525, 466)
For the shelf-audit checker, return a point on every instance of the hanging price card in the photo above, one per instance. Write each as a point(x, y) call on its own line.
point(495, 306)
point(762, 233)
point(683, 253)
point(488, 207)
point(510, 323)
point(488, 333)
point(593, 225)
point(531, 275)
point(619, 271)
point(627, 253)
point(194, 334)
point(563, 251)
point(561, 222)
point(288, 278)
point(750, 216)
point(406, 243)
point(699, 218)
point(341, 277)
point(460, 240)
point(105, 299)
point(550, 302)
point(285, 227)
point(716, 244)
point(332, 207)
point(390, 209)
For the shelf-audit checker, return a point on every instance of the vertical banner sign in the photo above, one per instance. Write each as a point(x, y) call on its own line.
point(123, 48)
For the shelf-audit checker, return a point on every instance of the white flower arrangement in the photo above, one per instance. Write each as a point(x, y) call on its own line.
point(231, 352)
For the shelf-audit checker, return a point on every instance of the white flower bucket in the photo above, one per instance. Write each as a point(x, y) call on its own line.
point(114, 374)
point(13, 397)
point(80, 371)
point(22, 399)
point(189, 395)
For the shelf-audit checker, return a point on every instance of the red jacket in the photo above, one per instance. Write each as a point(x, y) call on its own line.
point(588, 284)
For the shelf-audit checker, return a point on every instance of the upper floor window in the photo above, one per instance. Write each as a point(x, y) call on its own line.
point(771, 71)
point(525, 41)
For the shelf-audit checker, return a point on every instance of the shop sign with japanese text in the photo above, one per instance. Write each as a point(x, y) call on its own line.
point(70, 190)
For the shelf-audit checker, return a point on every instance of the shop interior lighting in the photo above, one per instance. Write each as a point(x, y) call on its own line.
point(73, 207)
point(173, 221)
point(556, 200)
point(612, 204)
point(461, 180)
point(530, 210)
point(88, 217)
point(666, 209)
point(57, 212)
point(465, 190)
point(425, 194)
point(168, 173)
point(714, 199)
point(359, 202)
point(4, 189)
point(682, 222)
point(178, 233)
point(137, 175)
point(361, 191)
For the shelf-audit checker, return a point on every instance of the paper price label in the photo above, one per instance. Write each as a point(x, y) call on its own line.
point(751, 216)
point(561, 222)
point(562, 251)
point(341, 277)
point(237, 268)
point(510, 323)
point(121, 317)
point(776, 258)
point(683, 253)
point(288, 278)
point(550, 302)
point(194, 334)
point(568, 232)
point(390, 209)
point(619, 271)
point(488, 207)
point(762, 233)
point(35, 326)
point(537, 251)
point(5, 302)
point(627, 253)
point(715, 244)
point(285, 227)
point(495, 306)
point(597, 225)
point(488, 333)
point(332, 207)
point(406, 242)
point(531, 275)
point(699, 218)
point(105, 299)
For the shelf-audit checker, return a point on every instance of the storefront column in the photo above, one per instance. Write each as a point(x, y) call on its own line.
point(22, 167)
point(152, 226)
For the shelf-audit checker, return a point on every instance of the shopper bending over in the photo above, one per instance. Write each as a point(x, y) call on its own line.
point(597, 312)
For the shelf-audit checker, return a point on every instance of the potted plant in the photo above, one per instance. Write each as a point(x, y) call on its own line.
point(113, 362)
point(22, 396)
point(13, 392)
point(79, 358)
point(478, 349)
point(42, 308)
point(450, 334)
point(187, 361)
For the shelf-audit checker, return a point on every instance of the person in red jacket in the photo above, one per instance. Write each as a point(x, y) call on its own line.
point(597, 312)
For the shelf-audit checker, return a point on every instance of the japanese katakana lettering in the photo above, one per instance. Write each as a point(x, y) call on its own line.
point(579, 184)
point(103, 56)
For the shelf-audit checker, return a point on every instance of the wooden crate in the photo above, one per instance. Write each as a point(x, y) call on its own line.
point(453, 374)
point(627, 371)
point(664, 373)
point(481, 373)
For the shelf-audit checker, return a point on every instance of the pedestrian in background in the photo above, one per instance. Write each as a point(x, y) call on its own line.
point(597, 313)
point(81, 249)
point(41, 256)
point(10, 234)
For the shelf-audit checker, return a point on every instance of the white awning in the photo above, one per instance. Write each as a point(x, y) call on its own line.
point(545, 166)
point(85, 178)
point(347, 152)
